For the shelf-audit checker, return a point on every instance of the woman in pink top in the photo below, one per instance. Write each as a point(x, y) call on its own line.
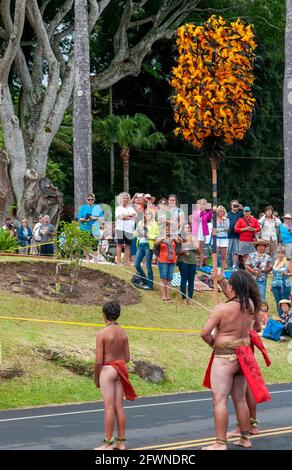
point(201, 216)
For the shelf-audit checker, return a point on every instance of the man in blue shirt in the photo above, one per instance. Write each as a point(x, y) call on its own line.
point(286, 235)
point(90, 215)
point(233, 237)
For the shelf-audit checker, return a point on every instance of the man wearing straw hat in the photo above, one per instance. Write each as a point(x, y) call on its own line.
point(259, 264)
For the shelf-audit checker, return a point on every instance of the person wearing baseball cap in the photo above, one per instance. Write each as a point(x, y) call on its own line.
point(286, 235)
point(247, 227)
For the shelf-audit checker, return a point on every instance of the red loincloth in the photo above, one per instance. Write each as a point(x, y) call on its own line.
point(255, 340)
point(249, 368)
point(121, 368)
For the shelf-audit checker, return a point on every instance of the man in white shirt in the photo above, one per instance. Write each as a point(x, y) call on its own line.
point(125, 226)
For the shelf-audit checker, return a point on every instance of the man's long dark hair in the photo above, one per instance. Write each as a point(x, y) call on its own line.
point(246, 289)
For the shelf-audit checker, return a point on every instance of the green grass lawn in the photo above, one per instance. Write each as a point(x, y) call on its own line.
point(184, 356)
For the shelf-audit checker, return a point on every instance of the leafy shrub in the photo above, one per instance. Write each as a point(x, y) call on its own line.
point(8, 243)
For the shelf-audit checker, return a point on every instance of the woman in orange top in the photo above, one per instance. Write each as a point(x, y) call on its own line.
point(166, 262)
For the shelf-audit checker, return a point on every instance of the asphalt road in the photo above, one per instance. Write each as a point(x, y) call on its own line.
point(181, 421)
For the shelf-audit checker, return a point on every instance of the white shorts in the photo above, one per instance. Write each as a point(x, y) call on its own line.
point(222, 242)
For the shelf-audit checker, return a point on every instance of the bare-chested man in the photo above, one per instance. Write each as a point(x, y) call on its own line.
point(232, 322)
point(250, 400)
point(111, 375)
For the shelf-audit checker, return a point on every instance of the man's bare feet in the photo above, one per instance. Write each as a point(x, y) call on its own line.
point(184, 302)
point(243, 443)
point(234, 433)
point(254, 430)
point(215, 446)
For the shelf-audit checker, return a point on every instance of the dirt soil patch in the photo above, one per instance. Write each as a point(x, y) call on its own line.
point(38, 280)
point(71, 360)
point(8, 374)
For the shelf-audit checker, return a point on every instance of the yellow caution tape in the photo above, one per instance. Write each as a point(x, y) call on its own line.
point(101, 325)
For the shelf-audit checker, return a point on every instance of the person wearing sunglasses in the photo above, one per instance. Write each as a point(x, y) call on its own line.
point(90, 216)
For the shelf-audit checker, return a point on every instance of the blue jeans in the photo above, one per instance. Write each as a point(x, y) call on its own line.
point(279, 294)
point(144, 250)
point(166, 270)
point(187, 274)
point(262, 285)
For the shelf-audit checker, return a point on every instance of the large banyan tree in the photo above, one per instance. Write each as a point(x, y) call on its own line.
point(37, 77)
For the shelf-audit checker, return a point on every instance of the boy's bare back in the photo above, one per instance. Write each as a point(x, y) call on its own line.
point(112, 344)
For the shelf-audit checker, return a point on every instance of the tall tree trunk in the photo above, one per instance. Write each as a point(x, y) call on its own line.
point(82, 133)
point(112, 151)
point(125, 156)
point(287, 111)
point(6, 194)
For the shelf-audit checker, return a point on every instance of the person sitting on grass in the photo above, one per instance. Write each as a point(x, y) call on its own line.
point(111, 375)
point(286, 317)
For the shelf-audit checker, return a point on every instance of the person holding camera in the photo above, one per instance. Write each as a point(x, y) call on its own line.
point(247, 227)
point(202, 215)
point(233, 238)
point(8, 226)
point(47, 233)
point(146, 233)
point(90, 215)
point(270, 225)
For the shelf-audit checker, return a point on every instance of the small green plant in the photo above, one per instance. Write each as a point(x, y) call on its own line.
point(72, 244)
point(8, 243)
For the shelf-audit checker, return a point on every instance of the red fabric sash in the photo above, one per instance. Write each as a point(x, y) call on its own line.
point(256, 341)
point(121, 368)
point(249, 368)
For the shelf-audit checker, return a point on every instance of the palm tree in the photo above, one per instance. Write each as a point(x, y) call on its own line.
point(287, 110)
point(128, 132)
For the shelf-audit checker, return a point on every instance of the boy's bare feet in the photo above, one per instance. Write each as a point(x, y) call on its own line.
point(108, 444)
point(120, 444)
point(216, 446)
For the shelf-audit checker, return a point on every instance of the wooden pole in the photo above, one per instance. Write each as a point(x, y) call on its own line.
point(214, 166)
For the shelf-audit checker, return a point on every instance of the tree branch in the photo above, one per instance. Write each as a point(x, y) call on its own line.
point(150, 19)
point(20, 61)
point(95, 11)
point(44, 6)
point(14, 37)
point(35, 18)
point(58, 18)
point(3, 34)
point(128, 60)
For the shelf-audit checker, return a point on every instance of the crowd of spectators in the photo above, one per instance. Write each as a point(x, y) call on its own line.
point(144, 233)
